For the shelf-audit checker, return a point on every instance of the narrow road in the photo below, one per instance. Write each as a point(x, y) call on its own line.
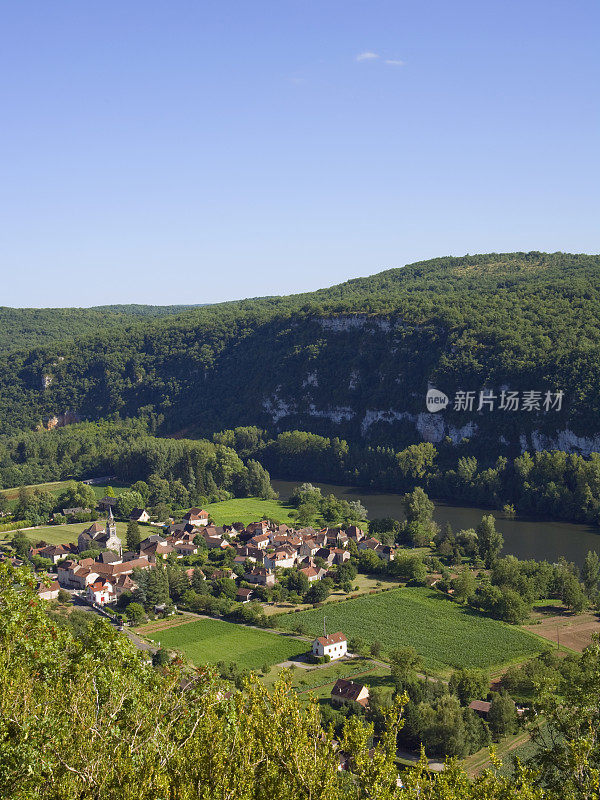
point(139, 642)
point(407, 755)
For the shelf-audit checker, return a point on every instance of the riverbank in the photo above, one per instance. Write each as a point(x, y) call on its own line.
point(525, 538)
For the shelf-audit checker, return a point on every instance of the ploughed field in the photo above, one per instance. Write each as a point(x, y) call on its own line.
point(210, 640)
point(444, 633)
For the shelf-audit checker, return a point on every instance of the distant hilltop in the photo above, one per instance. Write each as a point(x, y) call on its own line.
point(354, 360)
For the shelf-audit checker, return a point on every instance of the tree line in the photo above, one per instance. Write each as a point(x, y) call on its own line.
point(190, 472)
point(549, 483)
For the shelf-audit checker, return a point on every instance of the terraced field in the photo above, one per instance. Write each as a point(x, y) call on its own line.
point(446, 634)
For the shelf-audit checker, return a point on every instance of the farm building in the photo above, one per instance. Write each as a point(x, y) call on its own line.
point(335, 645)
point(346, 691)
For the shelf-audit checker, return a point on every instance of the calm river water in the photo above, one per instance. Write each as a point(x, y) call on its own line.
point(524, 538)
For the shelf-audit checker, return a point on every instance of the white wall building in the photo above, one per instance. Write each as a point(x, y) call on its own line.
point(335, 645)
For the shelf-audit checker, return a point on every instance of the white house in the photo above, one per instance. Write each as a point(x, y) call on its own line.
point(335, 645)
point(284, 557)
point(196, 516)
point(53, 552)
point(139, 515)
point(77, 576)
point(101, 592)
point(261, 540)
point(48, 591)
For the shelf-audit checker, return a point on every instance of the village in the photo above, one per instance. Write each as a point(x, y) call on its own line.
point(258, 553)
point(263, 549)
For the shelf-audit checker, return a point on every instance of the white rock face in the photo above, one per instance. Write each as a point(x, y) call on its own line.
point(567, 441)
point(431, 427)
point(278, 408)
point(383, 415)
point(335, 414)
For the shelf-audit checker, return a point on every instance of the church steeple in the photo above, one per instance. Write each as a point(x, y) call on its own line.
point(111, 525)
point(112, 541)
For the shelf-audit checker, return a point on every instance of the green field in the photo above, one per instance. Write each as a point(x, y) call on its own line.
point(63, 534)
point(56, 487)
point(318, 681)
point(444, 633)
point(211, 640)
point(248, 509)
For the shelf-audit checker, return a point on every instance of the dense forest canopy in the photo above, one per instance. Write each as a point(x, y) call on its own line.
point(207, 470)
point(30, 327)
point(354, 360)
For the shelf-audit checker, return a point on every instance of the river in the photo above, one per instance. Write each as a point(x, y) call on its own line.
point(523, 537)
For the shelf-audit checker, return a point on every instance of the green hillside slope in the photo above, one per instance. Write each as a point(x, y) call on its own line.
point(354, 360)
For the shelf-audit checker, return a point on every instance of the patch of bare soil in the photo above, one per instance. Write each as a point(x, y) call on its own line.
point(571, 630)
point(163, 625)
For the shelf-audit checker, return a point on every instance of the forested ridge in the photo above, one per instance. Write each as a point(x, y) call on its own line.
point(22, 328)
point(354, 360)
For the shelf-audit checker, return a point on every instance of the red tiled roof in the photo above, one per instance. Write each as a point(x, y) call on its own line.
point(480, 705)
point(310, 572)
point(42, 587)
point(196, 513)
point(125, 566)
point(332, 638)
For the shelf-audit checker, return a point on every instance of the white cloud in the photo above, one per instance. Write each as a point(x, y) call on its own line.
point(366, 56)
point(394, 62)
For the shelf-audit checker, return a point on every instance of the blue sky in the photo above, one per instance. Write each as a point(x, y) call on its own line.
point(165, 152)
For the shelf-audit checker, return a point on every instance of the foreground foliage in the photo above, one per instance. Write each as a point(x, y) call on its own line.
point(82, 718)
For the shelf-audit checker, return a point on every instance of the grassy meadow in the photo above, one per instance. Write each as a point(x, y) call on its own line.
point(64, 534)
point(444, 633)
point(318, 681)
point(247, 510)
point(211, 640)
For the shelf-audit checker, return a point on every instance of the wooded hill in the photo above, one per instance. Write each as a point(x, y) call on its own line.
point(22, 328)
point(354, 360)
